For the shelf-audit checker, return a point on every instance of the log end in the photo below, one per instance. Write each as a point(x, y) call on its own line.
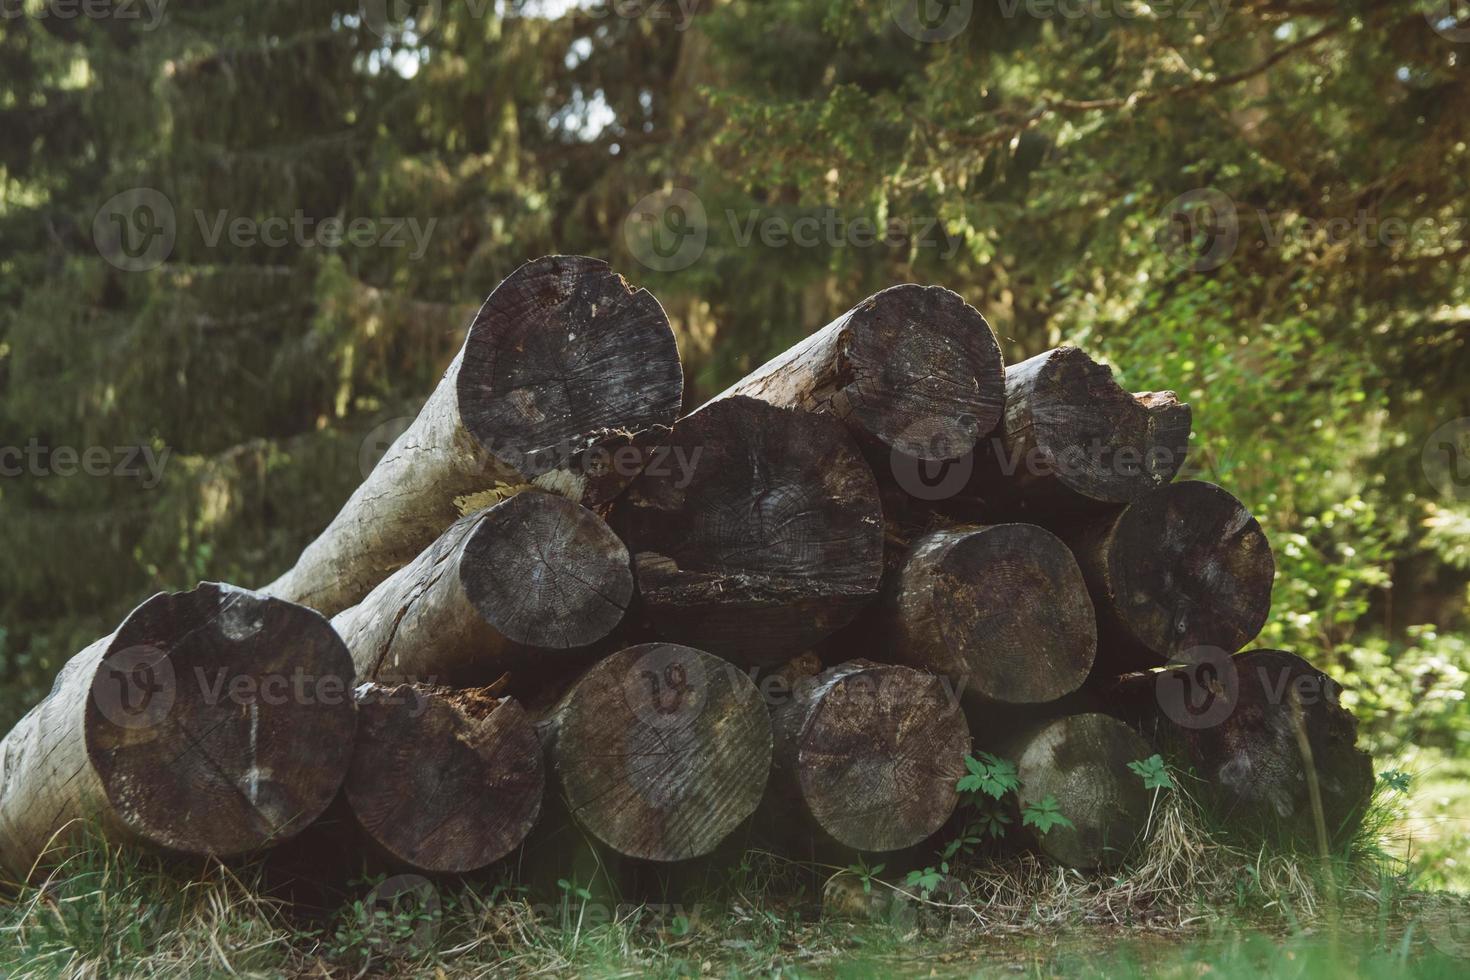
point(546, 572)
point(922, 374)
point(1081, 761)
point(662, 750)
point(565, 355)
point(198, 712)
point(442, 781)
point(877, 751)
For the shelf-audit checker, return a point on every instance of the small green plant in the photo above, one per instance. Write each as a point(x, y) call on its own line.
point(1395, 779)
point(993, 776)
point(1044, 815)
point(866, 874)
point(927, 880)
point(1153, 772)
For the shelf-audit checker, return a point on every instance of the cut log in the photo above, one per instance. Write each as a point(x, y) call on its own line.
point(1233, 721)
point(1081, 762)
point(1001, 610)
point(871, 753)
point(766, 537)
point(499, 590)
point(1183, 568)
point(913, 369)
point(213, 722)
point(444, 781)
point(567, 375)
point(1073, 441)
point(661, 750)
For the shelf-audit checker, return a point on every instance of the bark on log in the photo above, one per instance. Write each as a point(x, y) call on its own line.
point(1001, 610)
point(185, 731)
point(1182, 568)
point(1073, 441)
point(871, 753)
point(1081, 761)
point(914, 369)
point(499, 591)
point(444, 781)
point(662, 750)
point(566, 377)
point(767, 536)
point(1233, 721)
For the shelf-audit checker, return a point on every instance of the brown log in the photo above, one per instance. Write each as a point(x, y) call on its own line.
point(1081, 762)
point(213, 722)
point(871, 753)
point(1237, 723)
point(566, 375)
point(500, 590)
point(1073, 441)
point(661, 750)
point(444, 781)
point(913, 369)
point(1182, 568)
point(766, 537)
point(1001, 610)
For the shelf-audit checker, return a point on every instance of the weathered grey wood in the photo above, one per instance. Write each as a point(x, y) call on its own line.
point(1233, 723)
point(213, 722)
point(566, 376)
point(1073, 441)
point(871, 753)
point(500, 590)
point(912, 368)
point(661, 750)
point(1182, 568)
point(769, 539)
point(1081, 761)
point(444, 781)
point(1001, 610)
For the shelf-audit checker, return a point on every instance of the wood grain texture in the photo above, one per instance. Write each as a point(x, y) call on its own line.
point(661, 750)
point(1182, 568)
point(1232, 722)
point(567, 377)
point(871, 753)
point(1081, 761)
point(444, 781)
point(1001, 610)
point(772, 540)
point(184, 731)
point(912, 368)
point(504, 588)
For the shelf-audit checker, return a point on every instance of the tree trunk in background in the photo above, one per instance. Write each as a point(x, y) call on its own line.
point(913, 369)
point(566, 376)
point(1233, 721)
point(1183, 568)
point(532, 574)
point(1072, 441)
point(444, 781)
point(1002, 611)
point(662, 750)
point(759, 533)
point(871, 753)
point(1081, 762)
point(184, 730)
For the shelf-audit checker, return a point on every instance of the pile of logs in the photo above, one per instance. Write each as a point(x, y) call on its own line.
point(799, 607)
